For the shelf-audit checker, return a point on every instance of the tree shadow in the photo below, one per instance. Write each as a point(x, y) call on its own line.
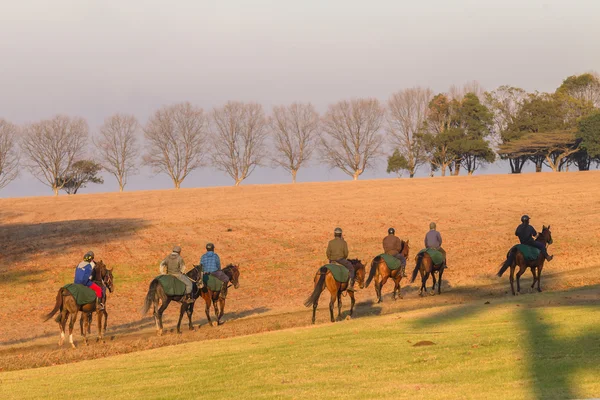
point(22, 242)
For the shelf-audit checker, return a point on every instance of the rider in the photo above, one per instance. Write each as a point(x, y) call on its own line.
point(337, 251)
point(433, 240)
point(526, 232)
point(174, 265)
point(211, 264)
point(83, 276)
point(392, 245)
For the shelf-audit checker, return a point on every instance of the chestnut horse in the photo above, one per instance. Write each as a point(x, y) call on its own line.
point(65, 302)
point(233, 272)
point(515, 257)
point(426, 266)
point(381, 272)
point(324, 279)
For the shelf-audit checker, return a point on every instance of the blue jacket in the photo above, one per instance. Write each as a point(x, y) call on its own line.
point(210, 262)
point(83, 272)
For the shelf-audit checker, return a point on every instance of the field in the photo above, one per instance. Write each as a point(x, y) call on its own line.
point(278, 235)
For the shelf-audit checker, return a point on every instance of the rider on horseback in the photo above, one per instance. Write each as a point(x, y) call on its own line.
point(526, 233)
point(433, 240)
point(211, 264)
point(83, 276)
point(337, 251)
point(392, 245)
point(174, 265)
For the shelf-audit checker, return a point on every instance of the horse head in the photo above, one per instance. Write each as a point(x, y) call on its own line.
point(233, 272)
point(405, 249)
point(360, 272)
point(104, 275)
point(195, 273)
point(546, 235)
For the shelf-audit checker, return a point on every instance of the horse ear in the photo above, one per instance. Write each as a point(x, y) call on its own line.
point(548, 227)
point(543, 227)
point(407, 240)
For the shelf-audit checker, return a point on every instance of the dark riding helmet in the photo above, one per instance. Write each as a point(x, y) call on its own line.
point(210, 247)
point(391, 231)
point(525, 218)
point(89, 256)
point(337, 231)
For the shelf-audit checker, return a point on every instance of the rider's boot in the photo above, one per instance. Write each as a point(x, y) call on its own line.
point(188, 298)
point(99, 304)
point(403, 271)
point(549, 257)
point(351, 285)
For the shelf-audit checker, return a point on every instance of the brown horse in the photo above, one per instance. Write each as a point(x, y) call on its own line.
point(106, 282)
point(156, 293)
point(233, 272)
point(515, 257)
point(65, 302)
point(324, 279)
point(426, 266)
point(381, 273)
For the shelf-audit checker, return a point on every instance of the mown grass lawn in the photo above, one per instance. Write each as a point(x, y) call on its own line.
point(509, 350)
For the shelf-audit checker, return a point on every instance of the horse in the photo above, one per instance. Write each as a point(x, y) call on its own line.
point(425, 265)
point(233, 272)
point(106, 282)
point(324, 279)
point(156, 293)
point(381, 272)
point(67, 305)
point(515, 257)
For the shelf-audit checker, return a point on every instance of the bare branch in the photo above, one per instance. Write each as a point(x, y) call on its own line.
point(407, 112)
point(9, 157)
point(294, 129)
point(239, 136)
point(118, 146)
point(352, 139)
point(52, 146)
point(176, 139)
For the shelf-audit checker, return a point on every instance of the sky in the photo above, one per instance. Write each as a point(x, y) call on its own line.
point(95, 58)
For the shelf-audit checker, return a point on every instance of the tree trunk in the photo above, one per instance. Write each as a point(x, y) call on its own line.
point(55, 190)
point(355, 176)
point(412, 174)
point(294, 172)
point(471, 173)
point(238, 181)
point(443, 170)
point(177, 184)
point(456, 168)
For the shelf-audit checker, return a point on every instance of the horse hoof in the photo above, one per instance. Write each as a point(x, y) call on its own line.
point(159, 333)
point(179, 332)
point(192, 328)
point(73, 345)
point(213, 323)
point(348, 318)
point(539, 290)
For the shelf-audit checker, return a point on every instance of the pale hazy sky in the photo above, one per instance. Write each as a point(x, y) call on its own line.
point(95, 58)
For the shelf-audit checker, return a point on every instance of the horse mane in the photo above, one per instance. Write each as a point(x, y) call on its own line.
point(403, 245)
point(355, 261)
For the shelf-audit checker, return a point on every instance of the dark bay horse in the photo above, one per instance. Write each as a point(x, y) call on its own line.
point(324, 279)
point(106, 282)
point(156, 293)
point(67, 305)
point(233, 272)
point(425, 265)
point(381, 273)
point(515, 257)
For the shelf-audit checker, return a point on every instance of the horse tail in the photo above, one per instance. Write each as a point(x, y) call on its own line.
point(314, 297)
point(374, 266)
point(150, 296)
point(57, 306)
point(510, 258)
point(416, 270)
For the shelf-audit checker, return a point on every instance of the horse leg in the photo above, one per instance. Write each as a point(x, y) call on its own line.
point(434, 282)
point(397, 289)
point(71, 325)
point(533, 272)
point(222, 311)
point(207, 311)
point(190, 311)
point(440, 281)
point(331, 304)
point(512, 280)
point(86, 328)
point(539, 278)
point(216, 306)
point(425, 276)
point(521, 272)
point(182, 311)
point(159, 315)
point(339, 303)
point(384, 280)
point(64, 314)
point(105, 318)
point(352, 301)
point(378, 287)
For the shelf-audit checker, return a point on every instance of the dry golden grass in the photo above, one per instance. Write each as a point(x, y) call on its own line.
point(278, 234)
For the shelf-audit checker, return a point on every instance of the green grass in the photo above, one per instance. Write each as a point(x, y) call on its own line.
point(481, 351)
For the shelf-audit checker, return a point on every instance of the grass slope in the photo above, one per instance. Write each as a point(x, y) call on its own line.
point(518, 348)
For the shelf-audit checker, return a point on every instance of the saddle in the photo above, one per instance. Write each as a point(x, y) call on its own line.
point(82, 294)
point(340, 273)
point(436, 256)
point(529, 252)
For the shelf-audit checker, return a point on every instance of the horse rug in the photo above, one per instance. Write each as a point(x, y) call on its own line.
point(339, 272)
point(531, 253)
point(171, 285)
point(82, 294)
point(214, 284)
point(436, 256)
point(392, 262)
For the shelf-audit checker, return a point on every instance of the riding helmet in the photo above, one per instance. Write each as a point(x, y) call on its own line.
point(210, 247)
point(337, 231)
point(525, 218)
point(89, 256)
point(391, 231)
point(432, 225)
point(177, 249)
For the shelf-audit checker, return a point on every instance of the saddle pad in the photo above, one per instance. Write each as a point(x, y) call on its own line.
point(531, 253)
point(171, 285)
point(214, 284)
point(340, 273)
point(82, 294)
point(436, 256)
point(392, 262)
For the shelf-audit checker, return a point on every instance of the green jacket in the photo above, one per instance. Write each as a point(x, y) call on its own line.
point(337, 249)
point(173, 264)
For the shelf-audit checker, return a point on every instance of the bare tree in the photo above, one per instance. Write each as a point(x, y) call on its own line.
point(9, 157)
point(352, 139)
point(176, 139)
point(294, 130)
point(52, 146)
point(118, 146)
point(407, 112)
point(239, 139)
point(458, 92)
